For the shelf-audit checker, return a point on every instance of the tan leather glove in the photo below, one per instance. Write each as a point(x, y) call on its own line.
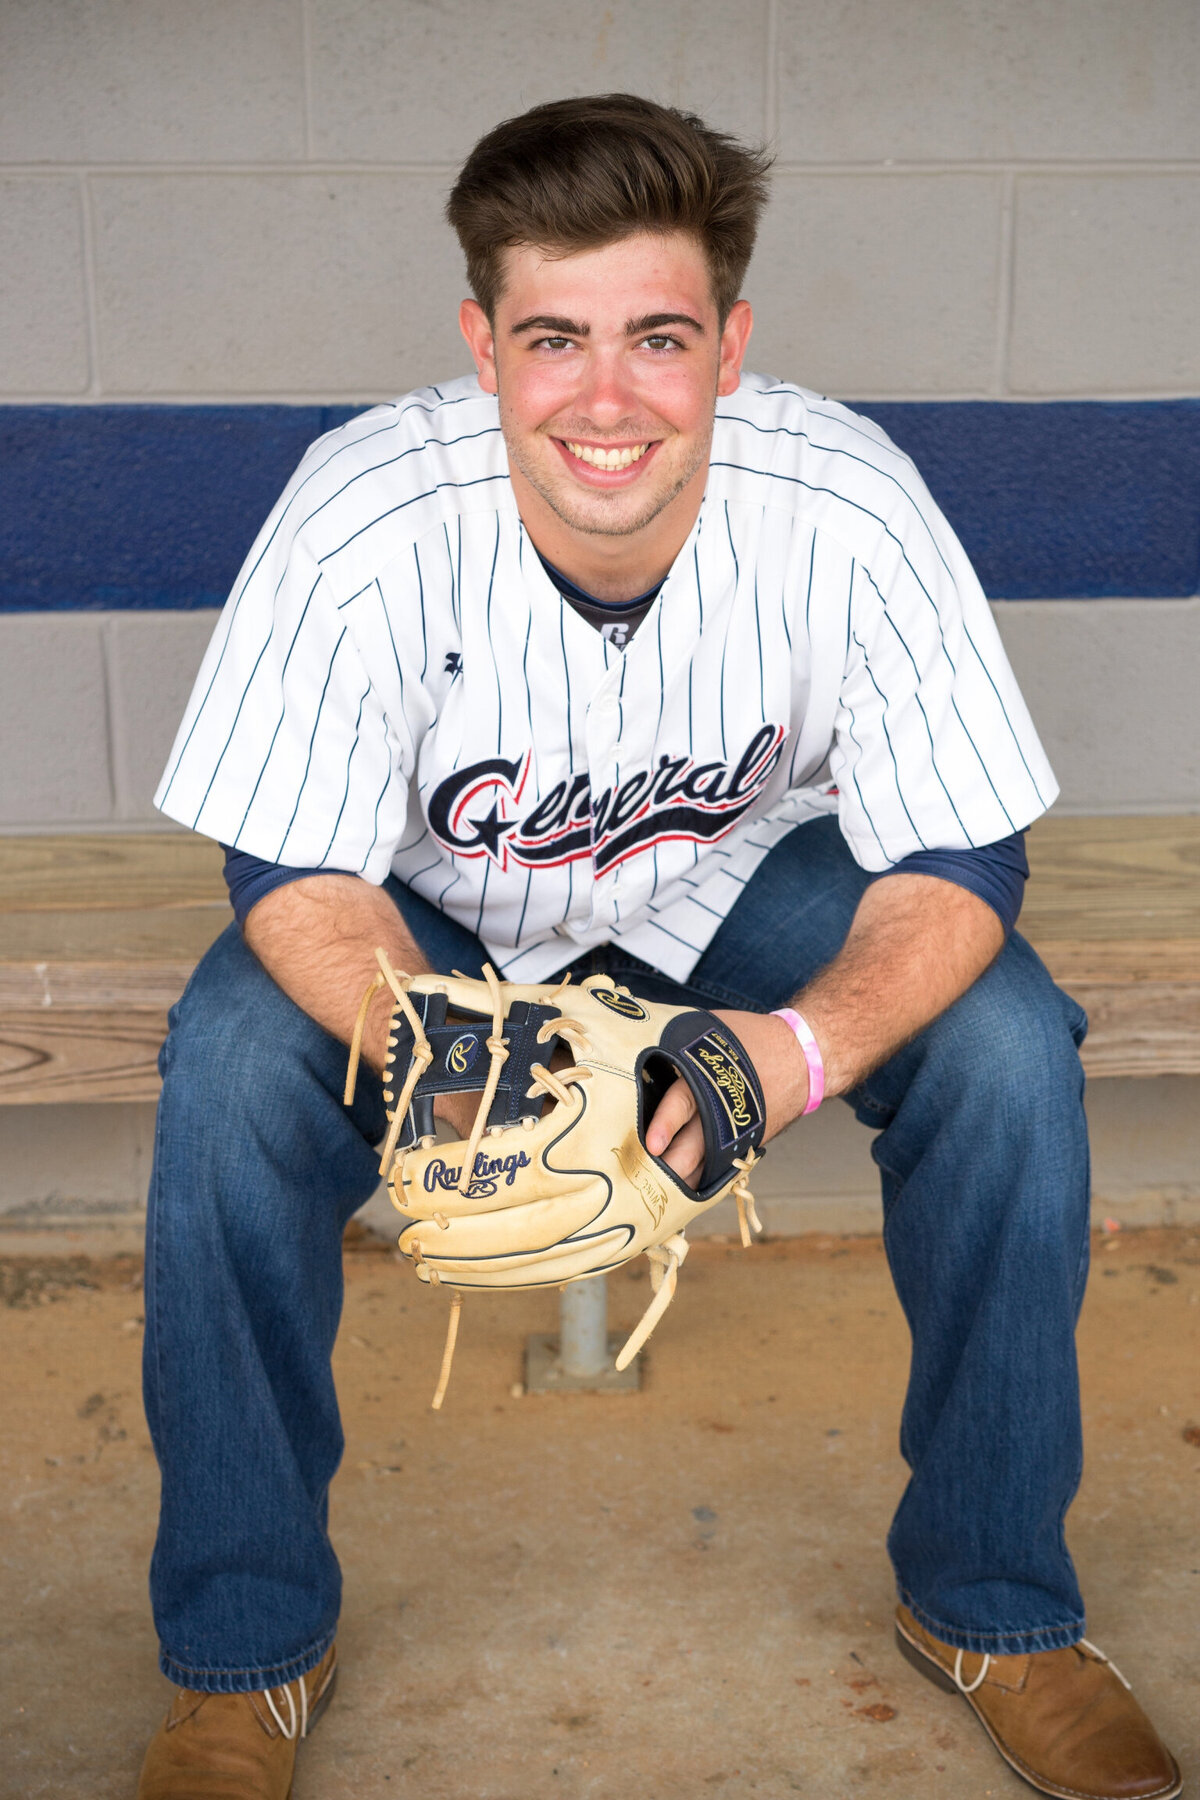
point(555, 1182)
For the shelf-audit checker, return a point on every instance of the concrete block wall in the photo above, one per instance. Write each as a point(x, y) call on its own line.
point(84, 1170)
point(988, 200)
point(89, 704)
point(239, 202)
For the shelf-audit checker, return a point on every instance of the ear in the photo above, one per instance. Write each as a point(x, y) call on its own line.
point(473, 323)
point(734, 340)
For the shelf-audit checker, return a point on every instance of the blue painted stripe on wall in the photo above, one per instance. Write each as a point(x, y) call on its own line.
point(140, 507)
point(146, 507)
point(1066, 499)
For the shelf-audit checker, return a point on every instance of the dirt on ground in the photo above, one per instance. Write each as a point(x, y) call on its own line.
point(680, 1592)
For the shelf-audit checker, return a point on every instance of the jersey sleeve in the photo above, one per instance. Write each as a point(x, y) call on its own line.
point(934, 746)
point(285, 750)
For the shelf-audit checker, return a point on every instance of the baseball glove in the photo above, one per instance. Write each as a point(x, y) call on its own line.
point(555, 1182)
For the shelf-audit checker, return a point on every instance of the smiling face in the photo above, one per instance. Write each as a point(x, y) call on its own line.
point(608, 364)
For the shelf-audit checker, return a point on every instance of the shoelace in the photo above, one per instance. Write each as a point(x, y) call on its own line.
point(1084, 1643)
point(665, 1259)
point(301, 1719)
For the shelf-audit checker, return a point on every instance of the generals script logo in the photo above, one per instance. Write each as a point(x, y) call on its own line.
point(481, 810)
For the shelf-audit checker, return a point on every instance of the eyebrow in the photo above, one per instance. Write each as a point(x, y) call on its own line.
point(550, 322)
point(633, 328)
point(656, 321)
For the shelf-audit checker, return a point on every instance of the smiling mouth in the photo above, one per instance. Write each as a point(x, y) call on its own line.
point(610, 461)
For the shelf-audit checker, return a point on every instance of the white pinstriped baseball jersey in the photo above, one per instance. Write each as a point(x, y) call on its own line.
point(396, 686)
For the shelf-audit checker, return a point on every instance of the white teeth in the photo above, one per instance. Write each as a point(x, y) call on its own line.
point(608, 459)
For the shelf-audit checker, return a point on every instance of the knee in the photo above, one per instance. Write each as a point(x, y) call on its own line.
point(1011, 1043)
point(252, 1099)
point(224, 1017)
point(237, 1044)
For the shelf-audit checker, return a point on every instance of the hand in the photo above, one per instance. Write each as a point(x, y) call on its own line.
point(458, 1111)
point(675, 1132)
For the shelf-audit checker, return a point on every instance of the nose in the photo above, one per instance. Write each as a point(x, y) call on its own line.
point(606, 393)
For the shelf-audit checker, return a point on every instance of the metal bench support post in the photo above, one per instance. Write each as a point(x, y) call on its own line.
point(580, 1359)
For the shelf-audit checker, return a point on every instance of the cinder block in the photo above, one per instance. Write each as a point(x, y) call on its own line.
point(43, 321)
point(54, 765)
point(397, 83)
point(864, 80)
point(1106, 279)
point(1111, 685)
point(287, 285)
point(72, 1164)
point(152, 81)
point(1146, 1148)
point(152, 663)
point(879, 285)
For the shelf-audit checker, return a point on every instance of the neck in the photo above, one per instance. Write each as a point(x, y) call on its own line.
point(611, 568)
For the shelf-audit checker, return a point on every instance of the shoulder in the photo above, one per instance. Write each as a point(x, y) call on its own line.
point(367, 491)
point(779, 445)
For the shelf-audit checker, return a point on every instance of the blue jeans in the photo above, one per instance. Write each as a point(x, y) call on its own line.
point(982, 1148)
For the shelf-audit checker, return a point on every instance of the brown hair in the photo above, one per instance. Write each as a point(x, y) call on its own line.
point(575, 174)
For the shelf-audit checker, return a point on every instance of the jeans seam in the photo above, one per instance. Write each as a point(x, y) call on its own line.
point(260, 1676)
point(152, 1223)
point(1066, 1634)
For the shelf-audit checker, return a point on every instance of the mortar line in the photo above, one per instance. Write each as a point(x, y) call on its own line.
point(293, 397)
point(306, 56)
point(771, 75)
point(107, 628)
point(324, 168)
point(1063, 166)
point(1006, 278)
point(91, 308)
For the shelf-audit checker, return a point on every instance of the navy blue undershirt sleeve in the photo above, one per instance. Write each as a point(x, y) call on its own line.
point(996, 872)
point(248, 879)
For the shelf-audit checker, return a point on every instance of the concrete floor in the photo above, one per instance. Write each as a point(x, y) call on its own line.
point(677, 1594)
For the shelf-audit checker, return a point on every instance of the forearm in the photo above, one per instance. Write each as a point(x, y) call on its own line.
point(317, 939)
point(916, 944)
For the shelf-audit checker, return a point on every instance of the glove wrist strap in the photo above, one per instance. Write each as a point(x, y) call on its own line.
point(803, 1033)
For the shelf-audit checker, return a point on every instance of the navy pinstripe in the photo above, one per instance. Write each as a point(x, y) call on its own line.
point(913, 741)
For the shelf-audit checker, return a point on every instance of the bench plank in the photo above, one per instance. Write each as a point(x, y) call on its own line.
point(98, 872)
point(98, 935)
point(1111, 879)
point(80, 1055)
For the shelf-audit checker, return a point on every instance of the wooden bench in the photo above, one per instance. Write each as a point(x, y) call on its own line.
point(99, 934)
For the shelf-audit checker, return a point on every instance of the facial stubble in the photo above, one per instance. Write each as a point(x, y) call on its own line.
point(559, 501)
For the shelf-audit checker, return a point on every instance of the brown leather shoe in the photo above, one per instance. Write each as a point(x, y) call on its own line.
point(1064, 1719)
point(235, 1746)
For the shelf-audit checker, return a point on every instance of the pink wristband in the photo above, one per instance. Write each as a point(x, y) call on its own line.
point(802, 1032)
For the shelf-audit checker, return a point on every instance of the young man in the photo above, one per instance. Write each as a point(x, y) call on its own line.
point(616, 659)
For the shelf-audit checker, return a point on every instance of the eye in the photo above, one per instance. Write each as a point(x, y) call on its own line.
point(556, 345)
point(659, 342)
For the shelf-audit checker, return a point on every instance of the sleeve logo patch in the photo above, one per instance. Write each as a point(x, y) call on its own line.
point(624, 1004)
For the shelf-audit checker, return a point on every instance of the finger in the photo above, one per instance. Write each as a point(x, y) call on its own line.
point(685, 1152)
point(670, 1116)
